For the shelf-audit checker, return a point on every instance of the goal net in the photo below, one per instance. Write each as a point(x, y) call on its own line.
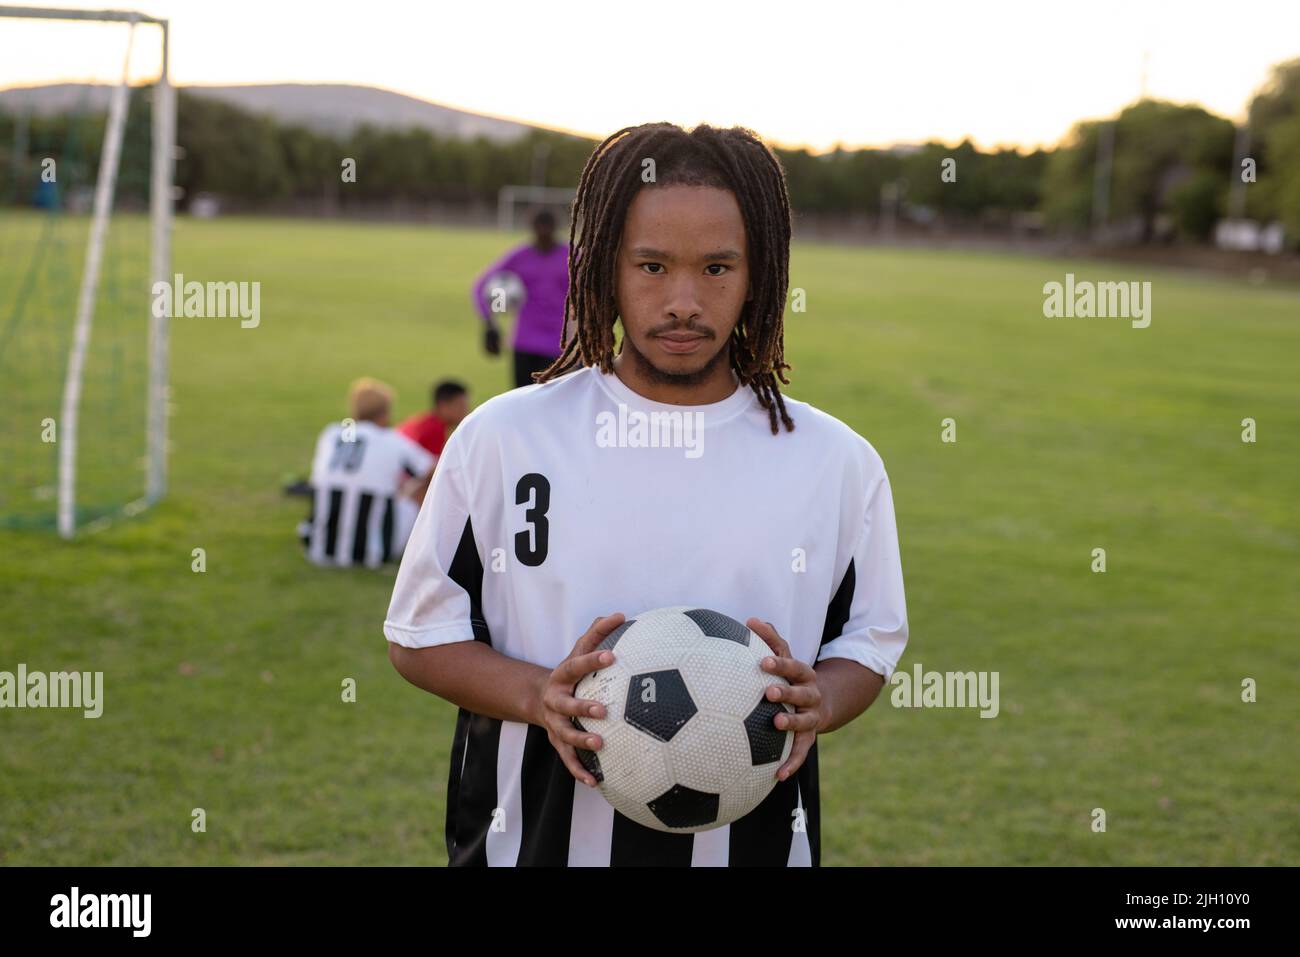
point(85, 221)
point(516, 205)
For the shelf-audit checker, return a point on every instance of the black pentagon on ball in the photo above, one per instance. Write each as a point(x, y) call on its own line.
point(612, 638)
point(715, 624)
point(681, 806)
point(669, 708)
point(766, 740)
point(588, 759)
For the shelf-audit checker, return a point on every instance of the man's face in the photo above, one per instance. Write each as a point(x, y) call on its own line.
point(682, 278)
point(452, 410)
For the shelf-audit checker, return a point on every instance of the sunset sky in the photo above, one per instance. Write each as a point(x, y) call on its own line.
point(813, 73)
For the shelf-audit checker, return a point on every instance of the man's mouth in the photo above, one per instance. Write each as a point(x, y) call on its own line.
point(679, 343)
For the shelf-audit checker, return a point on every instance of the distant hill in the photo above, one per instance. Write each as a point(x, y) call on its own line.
point(326, 107)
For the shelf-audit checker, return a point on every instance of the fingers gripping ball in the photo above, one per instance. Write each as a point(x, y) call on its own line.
point(688, 736)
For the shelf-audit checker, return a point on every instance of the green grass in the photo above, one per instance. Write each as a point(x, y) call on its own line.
point(1118, 690)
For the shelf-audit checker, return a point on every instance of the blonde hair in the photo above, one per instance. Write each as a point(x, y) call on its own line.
point(369, 399)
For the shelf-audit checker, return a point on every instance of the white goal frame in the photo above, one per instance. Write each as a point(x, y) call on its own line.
point(163, 135)
point(510, 197)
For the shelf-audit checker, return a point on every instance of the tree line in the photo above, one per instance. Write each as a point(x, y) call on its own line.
point(1173, 169)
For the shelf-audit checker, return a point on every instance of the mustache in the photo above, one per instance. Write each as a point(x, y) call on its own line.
point(691, 328)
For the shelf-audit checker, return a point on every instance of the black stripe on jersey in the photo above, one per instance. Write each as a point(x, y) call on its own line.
point(387, 532)
point(362, 530)
point(546, 793)
point(311, 522)
point(837, 612)
point(635, 845)
point(332, 522)
point(472, 783)
point(472, 788)
point(466, 570)
point(763, 837)
point(837, 616)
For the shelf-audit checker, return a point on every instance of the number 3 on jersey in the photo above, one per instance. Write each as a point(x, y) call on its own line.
point(530, 544)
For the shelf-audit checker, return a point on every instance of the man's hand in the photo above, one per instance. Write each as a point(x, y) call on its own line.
point(812, 711)
point(557, 706)
point(492, 340)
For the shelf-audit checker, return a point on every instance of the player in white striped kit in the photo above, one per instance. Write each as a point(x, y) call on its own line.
point(367, 482)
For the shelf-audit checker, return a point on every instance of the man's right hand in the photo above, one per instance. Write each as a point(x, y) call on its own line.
point(557, 705)
point(492, 340)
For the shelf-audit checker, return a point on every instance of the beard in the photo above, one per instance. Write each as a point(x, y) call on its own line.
point(668, 377)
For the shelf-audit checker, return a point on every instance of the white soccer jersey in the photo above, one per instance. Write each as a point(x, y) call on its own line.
point(569, 500)
point(357, 516)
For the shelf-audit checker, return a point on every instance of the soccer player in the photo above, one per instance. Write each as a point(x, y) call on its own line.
point(542, 267)
point(367, 482)
point(555, 515)
point(430, 429)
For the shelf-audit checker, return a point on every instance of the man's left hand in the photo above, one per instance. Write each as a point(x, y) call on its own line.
point(812, 711)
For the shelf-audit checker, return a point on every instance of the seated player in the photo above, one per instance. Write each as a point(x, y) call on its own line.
point(430, 429)
point(367, 481)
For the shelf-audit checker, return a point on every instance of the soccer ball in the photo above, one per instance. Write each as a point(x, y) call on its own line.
point(509, 286)
point(688, 738)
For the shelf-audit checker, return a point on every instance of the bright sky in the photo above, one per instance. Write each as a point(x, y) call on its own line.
point(804, 73)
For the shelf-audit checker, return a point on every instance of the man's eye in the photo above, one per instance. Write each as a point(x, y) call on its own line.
point(717, 266)
point(644, 265)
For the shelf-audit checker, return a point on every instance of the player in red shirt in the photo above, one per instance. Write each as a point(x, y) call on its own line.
point(430, 429)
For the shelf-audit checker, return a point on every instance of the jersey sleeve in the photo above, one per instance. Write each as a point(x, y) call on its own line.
point(416, 459)
point(436, 597)
point(867, 618)
point(320, 457)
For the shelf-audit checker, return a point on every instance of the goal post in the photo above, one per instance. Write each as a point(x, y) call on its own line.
point(511, 198)
point(138, 319)
point(161, 196)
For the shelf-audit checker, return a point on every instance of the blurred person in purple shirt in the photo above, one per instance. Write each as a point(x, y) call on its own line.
point(542, 268)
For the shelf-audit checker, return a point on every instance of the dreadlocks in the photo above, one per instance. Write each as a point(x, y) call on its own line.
point(733, 159)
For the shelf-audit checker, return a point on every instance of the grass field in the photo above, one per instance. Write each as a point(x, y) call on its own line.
point(1119, 690)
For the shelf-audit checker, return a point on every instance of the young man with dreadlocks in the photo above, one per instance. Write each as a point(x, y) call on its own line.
point(544, 515)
